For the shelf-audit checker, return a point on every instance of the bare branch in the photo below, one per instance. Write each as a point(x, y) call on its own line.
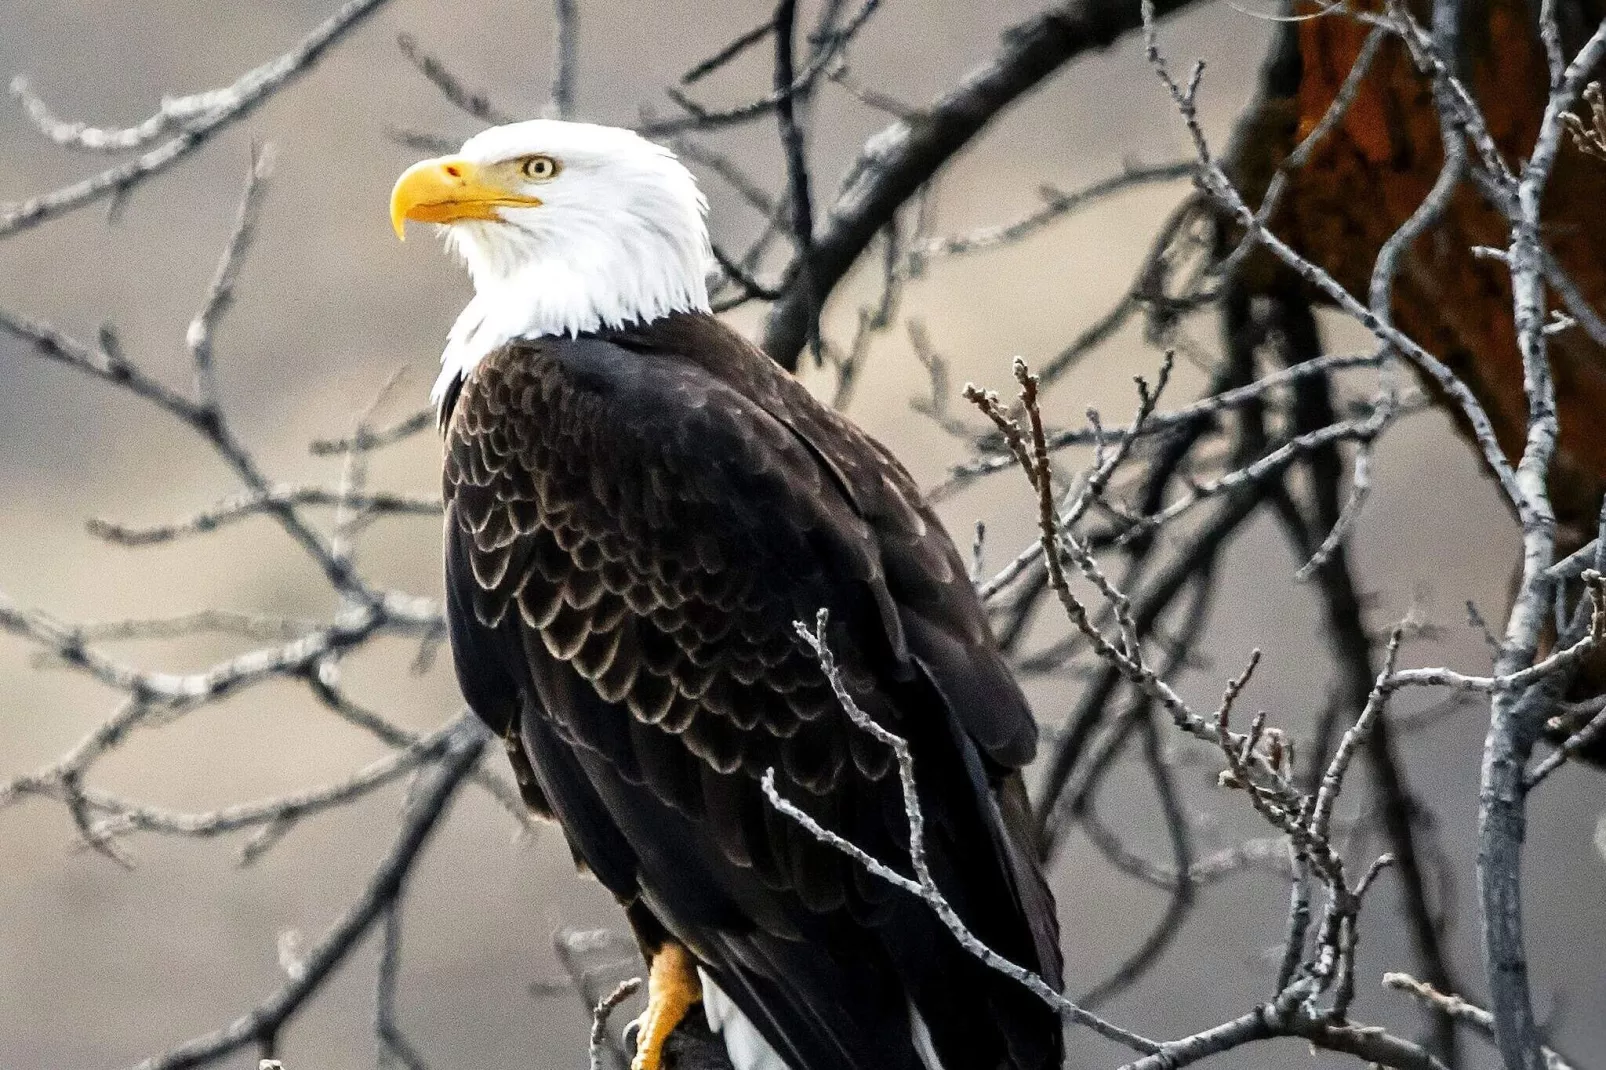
point(1056, 205)
point(193, 120)
point(1333, 777)
point(253, 503)
point(423, 814)
point(827, 51)
point(218, 621)
point(565, 58)
point(392, 1042)
point(1592, 732)
point(599, 1018)
point(1288, 1015)
point(723, 166)
point(374, 439)
point(1196, 413)
point(741, 44)
point(1461, 1010)
point(797, 168)
point(904, 156)
point(220, 293)
point(474, 102)
point(1215, 182)
point(923, 885)
point(184, 690)
point(1272, 464)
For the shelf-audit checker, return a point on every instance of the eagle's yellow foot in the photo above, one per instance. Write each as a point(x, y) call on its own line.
point(672, 990)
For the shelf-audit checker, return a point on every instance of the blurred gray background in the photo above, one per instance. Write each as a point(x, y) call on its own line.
point(100, 967)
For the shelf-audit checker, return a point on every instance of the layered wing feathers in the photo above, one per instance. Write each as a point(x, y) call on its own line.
point(634, 524)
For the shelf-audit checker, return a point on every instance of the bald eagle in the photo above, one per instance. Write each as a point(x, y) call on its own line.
point(639, 505)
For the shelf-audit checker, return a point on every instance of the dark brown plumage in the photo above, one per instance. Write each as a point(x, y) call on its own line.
point(635, 519)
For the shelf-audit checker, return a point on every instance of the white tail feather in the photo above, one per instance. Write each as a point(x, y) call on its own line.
point(743, 1042)
point(749, 1050)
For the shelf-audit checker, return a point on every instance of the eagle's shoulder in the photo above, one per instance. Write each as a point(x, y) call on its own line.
point(877, 486)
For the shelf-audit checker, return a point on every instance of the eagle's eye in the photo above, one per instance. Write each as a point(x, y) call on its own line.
point(539, 168)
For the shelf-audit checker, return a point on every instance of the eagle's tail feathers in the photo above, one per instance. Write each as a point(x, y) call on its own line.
point(744, 1043)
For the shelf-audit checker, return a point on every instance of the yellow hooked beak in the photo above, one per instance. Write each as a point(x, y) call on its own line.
point(447, 189)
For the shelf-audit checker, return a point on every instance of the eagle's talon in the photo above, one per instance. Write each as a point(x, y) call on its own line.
point(672, 989)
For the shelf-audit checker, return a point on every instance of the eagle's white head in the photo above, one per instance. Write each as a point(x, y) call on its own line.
point(565, 228)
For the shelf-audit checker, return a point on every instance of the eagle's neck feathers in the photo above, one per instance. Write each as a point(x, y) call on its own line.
point(554, 299)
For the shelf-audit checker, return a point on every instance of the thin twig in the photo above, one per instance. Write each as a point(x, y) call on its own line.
point(421, 818)
point(474, 102)
point(252, 503)
point(599, 1019)
point(1461, 1010)
point(193, 120)
point(565, 58)
point(923, 885)
point(698, 71)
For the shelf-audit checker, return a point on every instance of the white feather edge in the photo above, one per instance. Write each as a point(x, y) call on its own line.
point(744, 1044)
point(747, 1048)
